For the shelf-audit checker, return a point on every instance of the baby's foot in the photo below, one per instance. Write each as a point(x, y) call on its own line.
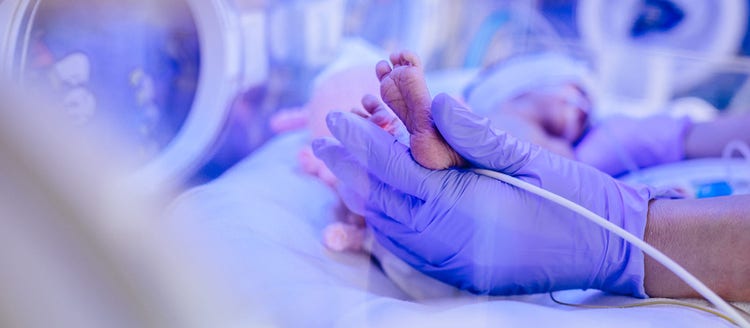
point(403, 88)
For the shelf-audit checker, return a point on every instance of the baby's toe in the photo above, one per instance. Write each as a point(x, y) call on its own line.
point(370, 103)
point(396, 59)
point(382, 69)
point(411, 59)
point(361, 112)
point(384, 118)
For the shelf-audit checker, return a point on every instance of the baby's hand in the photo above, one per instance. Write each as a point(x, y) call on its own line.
point(315, 167)
point(290, 119)
point(342, 236)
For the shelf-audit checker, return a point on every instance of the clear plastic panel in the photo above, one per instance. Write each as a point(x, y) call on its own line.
point(128, 67)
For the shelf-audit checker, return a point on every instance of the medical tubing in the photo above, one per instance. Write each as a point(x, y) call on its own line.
point(650, 303)
point(645, 247)
point(738, 146)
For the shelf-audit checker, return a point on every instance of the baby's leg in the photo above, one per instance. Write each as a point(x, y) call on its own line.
point(403, 88)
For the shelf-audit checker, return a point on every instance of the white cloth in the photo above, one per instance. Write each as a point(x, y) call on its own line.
point(519, 75)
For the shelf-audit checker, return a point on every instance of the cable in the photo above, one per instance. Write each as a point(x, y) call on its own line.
point(651, 303)
point(657, 255)
point(736, 146)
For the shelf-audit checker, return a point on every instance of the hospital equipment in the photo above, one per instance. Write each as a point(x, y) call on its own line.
point(164, 74)
point(698, 178)
point(675, 44)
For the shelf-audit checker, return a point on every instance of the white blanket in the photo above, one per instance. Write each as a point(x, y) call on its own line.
point(259, 228)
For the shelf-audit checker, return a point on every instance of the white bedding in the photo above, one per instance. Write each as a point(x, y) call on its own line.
point(259, 227)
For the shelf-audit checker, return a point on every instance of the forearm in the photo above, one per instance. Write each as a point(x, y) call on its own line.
point(708, 139)
point(708, 237)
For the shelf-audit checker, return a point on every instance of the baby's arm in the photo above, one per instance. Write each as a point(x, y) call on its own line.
point(709, 139)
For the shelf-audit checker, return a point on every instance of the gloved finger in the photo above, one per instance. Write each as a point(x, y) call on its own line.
point(473, 137)
point(386, 201)
point(353, 184)
point(392, 239)
point(363, 193)
point(382, 155)
point(424, 250)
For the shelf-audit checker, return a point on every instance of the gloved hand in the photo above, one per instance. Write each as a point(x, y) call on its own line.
point(480, 234)
point(621, 144)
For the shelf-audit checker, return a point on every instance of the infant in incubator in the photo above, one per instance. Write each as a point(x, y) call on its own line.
point(406, 115)
point(541, 98)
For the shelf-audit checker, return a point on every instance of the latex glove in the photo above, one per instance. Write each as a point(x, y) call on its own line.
point(621, 144)
point(480, 234)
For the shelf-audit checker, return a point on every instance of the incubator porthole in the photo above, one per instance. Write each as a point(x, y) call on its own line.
point(123, 68)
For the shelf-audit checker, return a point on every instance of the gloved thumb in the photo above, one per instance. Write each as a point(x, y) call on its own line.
point(473, 137)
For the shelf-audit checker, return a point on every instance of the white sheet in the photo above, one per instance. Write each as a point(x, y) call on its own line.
point(259, 227)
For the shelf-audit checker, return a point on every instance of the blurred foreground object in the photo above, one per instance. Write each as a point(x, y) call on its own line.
point(80, 246)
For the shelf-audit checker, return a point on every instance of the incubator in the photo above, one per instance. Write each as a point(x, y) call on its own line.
point(671, 46)
point(146, 70)
point(191, 85)
point(699, 178)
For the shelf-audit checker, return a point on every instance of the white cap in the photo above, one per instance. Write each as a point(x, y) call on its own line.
point(522, 74)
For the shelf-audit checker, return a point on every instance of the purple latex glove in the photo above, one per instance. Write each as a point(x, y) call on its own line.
point(621, 144)
point(480, 234)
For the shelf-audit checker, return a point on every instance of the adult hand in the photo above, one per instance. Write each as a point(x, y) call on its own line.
point(621, 144)
point(481, 234)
